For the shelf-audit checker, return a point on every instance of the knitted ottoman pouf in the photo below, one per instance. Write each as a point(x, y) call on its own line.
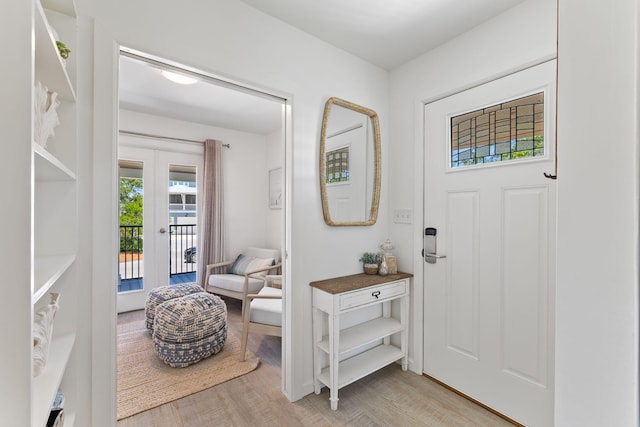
point(189, 329)
point(165, 293)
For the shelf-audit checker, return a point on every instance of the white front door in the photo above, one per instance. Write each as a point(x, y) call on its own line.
point(489, 305)
point(152, 251)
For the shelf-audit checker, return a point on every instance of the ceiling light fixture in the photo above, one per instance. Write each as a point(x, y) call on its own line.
point(178, 78)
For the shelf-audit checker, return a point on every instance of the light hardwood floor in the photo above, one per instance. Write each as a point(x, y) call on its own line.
point(388, 397)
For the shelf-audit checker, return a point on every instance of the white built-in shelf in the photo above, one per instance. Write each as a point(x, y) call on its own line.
point(48, 269)
point(50, 69)
point(48, 167)
point(45, 386)
point(363, 364)
point(363, 333)
point(63, 6)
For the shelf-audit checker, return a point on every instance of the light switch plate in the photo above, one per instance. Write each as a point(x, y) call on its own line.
point(402, 216)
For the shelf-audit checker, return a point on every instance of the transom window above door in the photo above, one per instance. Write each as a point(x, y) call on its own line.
point(500, 132)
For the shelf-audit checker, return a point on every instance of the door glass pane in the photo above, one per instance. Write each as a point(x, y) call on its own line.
point(182, 224)
point(337, 165)
point(131, 260)
point(501, 132)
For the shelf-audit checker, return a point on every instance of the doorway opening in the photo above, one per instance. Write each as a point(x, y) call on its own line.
point(161, 122)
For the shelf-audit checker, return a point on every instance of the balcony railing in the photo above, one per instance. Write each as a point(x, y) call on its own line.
point(182, 250)
point(182, 253)
point(131, 257)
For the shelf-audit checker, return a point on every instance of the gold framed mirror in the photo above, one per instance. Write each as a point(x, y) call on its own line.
point(350, 164)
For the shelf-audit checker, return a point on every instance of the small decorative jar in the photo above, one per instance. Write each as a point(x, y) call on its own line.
point(389, 258)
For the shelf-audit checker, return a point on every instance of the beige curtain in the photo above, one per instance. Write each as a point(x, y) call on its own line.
point(211, 239)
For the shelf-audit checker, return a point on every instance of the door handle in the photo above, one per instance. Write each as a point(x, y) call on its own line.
point(163, 230)
point(430, 250)
point(436, 256)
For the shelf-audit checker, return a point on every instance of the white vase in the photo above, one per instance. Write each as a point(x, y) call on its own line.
point(383, 270)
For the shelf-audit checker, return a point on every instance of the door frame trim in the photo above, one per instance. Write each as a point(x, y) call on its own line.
point(105, 55)
point(416, 339)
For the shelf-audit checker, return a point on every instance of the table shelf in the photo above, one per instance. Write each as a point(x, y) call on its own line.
point(363, 333)
point(363, 364)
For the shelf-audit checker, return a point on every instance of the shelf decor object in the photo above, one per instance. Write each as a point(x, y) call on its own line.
point(391, 261)
point(383, 269)
point(63, 49)
point(344, 355)
point(46, 117)
point(42, 333)
point(369, 262)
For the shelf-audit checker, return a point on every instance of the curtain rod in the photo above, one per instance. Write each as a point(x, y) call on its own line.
point(149, 135)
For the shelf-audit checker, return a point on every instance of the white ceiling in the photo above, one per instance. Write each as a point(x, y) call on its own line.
point(143, 89)
point(386, 33)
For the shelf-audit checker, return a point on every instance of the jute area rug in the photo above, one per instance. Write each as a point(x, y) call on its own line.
point(145, 381)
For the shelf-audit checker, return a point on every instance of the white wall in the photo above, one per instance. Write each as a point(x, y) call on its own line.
point(228, 38)
point(482, 53)
point(597, 274)
point(275, 217)
point(244, 169)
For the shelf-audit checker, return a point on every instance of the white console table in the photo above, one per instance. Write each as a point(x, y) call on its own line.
point(334, 297)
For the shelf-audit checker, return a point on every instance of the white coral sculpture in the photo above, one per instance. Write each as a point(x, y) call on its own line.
point(42, 332)
point(46, 117)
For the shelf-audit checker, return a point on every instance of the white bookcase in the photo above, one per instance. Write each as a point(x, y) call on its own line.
point(40, 244)
point(344, 355)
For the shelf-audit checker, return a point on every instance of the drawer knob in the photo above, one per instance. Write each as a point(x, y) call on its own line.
point(376, 294)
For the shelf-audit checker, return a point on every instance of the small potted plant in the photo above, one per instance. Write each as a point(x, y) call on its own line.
point(370, 262)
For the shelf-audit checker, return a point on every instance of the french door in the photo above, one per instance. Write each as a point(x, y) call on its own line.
point(490, 213)
point(158, 246)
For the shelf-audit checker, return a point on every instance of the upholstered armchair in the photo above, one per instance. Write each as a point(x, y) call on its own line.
point(243, 276)
point(263, 313)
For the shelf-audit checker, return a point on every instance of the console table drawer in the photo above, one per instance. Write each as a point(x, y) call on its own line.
point(372, 294)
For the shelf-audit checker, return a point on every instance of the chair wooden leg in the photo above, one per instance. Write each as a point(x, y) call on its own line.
point(245, 333)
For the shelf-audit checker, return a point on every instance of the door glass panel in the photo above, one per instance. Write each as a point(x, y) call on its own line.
point(501, 132)
point(182, 223)
point(338, 165)
point(131, 259)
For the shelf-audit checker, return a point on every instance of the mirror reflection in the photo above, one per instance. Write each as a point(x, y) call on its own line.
point(349, 164)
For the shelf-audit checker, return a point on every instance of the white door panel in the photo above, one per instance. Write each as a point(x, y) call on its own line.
point(489, 304)
point(145, 268)
point(154, 265)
